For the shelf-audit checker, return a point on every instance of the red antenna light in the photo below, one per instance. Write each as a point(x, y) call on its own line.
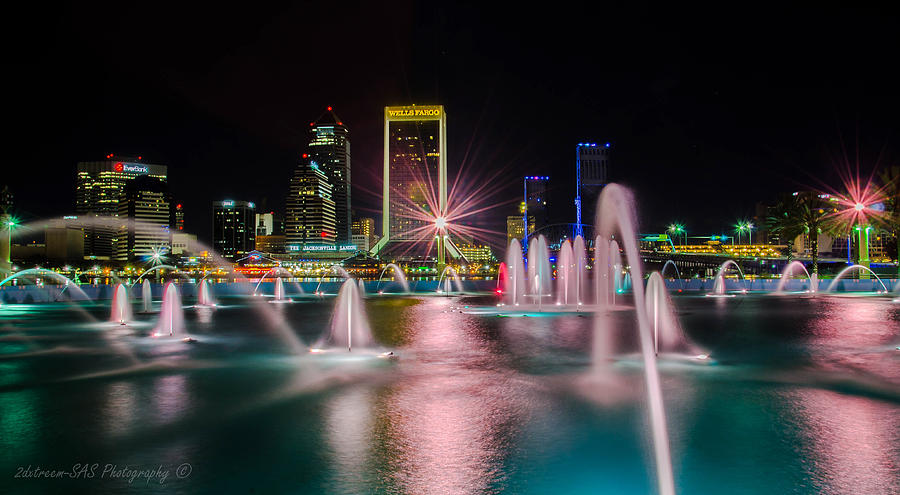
point(305, 155)
point(139, 158)
point(329, 109)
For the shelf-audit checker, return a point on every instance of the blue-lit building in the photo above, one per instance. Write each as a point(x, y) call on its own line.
point(591, 175)
point(537, 203)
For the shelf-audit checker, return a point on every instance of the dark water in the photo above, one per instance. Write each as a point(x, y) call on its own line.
point(804, 398)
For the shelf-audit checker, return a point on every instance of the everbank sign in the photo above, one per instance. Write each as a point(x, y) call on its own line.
point(131, 167)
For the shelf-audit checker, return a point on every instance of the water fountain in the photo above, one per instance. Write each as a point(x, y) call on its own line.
point(539, 268)
point(616, 213)
point(121, 306)
point(362, 288)
point(204, 294)
point(515, 270)
point(601, 272)
point(501, 279)
point(333, 268)
point(279, 296)
point(565, 272)
point(615, 270)
point(349, 325)
point(580, 253)
point(450, 274)
point(786, 273)
point(673, 265)
point(22, 274)
point(847, 270)
point(399, 277)
point(171, 316)
point(146, 297)
point(719, 289)
point(667, 334)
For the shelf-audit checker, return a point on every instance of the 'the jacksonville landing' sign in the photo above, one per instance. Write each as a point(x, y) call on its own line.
point(428, 112)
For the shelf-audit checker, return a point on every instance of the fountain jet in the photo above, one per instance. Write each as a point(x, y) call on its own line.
point(616, 213)
point(146, 296)
point(171, 316)
point(349, 324)
point(121, 307)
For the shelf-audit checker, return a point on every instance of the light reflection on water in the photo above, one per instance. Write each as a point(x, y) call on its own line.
point(850, 442)
point(475, 404)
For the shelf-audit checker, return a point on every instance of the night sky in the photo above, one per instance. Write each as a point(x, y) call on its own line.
point(708, 110)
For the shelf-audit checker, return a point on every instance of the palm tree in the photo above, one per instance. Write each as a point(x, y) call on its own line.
point(890, 186)
point(783, 222)
point(800, 213)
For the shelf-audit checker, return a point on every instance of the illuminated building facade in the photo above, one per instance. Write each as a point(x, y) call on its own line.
point(310, 209)
point(329, 147)
point(415, 179)
point(270, 243)
point(515, 227)
point(98, 187)
point(477, 254)
point(591, 167)
point(536, 202)
point(265, 224)
point(234, 232)
point(364, 228)
point(144, 210)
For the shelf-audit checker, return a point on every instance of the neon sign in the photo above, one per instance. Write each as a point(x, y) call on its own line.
point(414, 112)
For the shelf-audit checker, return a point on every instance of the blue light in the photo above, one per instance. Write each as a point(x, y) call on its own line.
point(607, 145)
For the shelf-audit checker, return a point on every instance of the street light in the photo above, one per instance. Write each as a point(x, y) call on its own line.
point(677, 228)
point(10, 224)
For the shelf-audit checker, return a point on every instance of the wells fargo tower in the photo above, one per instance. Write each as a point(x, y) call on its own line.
point(415, 180)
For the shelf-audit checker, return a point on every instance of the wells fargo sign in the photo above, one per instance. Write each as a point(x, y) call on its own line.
point(415, 112)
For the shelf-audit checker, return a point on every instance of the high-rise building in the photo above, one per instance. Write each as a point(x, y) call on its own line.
point(364, 227)
point(591, 174)
point(265, 223)
point(537, 204)
point(477, 254)
point(309, 210)
point(515, 227)
point(6, 204)
point(415, 181)
point(329, 147)
point(98, 186)
point(178, 222)
point(144, 212)
point(234, 228)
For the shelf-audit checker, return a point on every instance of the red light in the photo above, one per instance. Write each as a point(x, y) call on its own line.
point(119, 167)
point(324, 234)
point(329, 109)
point(139, 158)
point(178, 205)
point(340, 123)
point(312, 124)
point(305, 155)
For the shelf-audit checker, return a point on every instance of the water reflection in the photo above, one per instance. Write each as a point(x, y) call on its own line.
point(121, 407)
point(171, 398)
point(448, 424)
point(349, 427)
point(849, 441)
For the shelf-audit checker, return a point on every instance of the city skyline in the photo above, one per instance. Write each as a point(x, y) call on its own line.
point(698, 114)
